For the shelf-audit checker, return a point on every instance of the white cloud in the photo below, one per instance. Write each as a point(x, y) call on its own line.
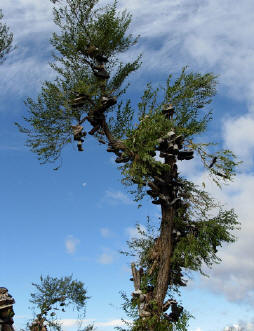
point(133, 232)
point(233, 276)
point(27, 66)
point(68, 323)
point(114, 197)
point(105, 232)
point(116, 322)
point(26, 14)
point(126, 269)
point(239, 137)
point(31, 71)
point(207, 35)
point(112, 160)
point(214, 37)
point(241, 326)
point(71, 244)
point(106, 258)
point(84, 184)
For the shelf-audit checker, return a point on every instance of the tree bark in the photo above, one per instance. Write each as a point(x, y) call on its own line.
point(166, 249)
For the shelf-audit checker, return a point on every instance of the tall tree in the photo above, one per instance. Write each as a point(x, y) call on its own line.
point(6, 39)
point(86, 90)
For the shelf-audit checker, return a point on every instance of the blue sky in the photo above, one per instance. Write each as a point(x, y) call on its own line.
point(76, 219)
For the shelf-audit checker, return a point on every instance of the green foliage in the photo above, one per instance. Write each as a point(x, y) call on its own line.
point(6, 39)
point(122, 121)
point(188, 94)
point(224, 167)
point(55, 292)
point(189, 253)
point(50, 118)
point(82, 25)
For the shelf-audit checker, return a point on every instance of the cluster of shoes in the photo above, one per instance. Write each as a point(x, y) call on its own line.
point(176, 276)
point(145, 310)
point(99, 69)
point(143, 298)
point(168, 111)
point(121, 157)
point(6, 310)
point(93, 52)
point(78, 135)
point(170, 145)
point(176, 312)
point(79, 101)
point(96, 116)
point(108, 101)
point(188, 228)
point(143, 303)
point(38, 324)
point(164, 189)
point(112, 149)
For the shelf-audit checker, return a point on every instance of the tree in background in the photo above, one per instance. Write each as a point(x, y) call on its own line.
point(6, 39)
point(85, 92)
point(54, 294)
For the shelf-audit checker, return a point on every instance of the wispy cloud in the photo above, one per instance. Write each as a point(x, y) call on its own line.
point(11, 148)
point(238, 136)
point(214, 37)
point(71, 244)
point(73, 322)
point(116, 197)
point(241, 325)
point(106, 258)
point(105, 232)
point(112, 160)
point(32, 71)
point(232, 277)
point(133, 232)
point(116, 322)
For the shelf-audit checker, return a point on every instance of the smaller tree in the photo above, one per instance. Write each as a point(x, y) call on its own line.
point(54, 294)
point(6, 39)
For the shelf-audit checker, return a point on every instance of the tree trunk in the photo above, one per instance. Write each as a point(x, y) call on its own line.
point(166, 249)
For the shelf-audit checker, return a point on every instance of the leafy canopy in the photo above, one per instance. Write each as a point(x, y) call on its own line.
point(189, 94)
point(54, 293)
point(6, 39)
point(50, 118)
